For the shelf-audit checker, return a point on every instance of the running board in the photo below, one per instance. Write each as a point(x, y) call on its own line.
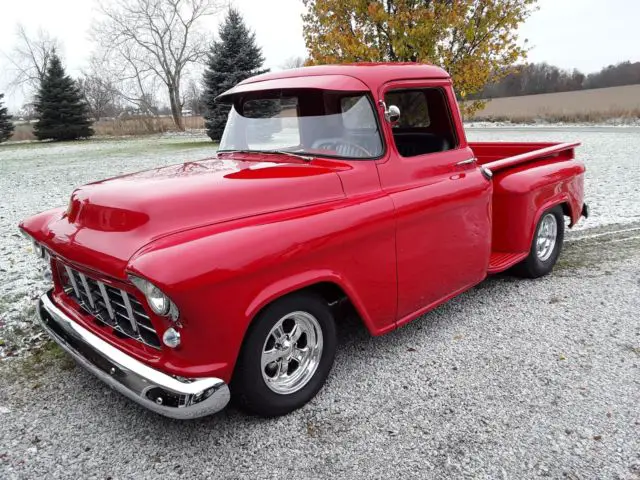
point(501, 261)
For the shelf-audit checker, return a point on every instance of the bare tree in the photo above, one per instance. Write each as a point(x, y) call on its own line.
point(156, 38)
point(28, 111)
point(293, 62)
point(193, 98)
point(30, 56)
point(99, 90)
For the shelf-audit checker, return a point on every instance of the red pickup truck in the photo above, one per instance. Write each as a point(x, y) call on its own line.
point(185, 285)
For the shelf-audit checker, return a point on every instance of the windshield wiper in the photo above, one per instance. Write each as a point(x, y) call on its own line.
point(271, 152)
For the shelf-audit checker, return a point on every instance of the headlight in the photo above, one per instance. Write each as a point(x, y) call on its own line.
point(158, 301)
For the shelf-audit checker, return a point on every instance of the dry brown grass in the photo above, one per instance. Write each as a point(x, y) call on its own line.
point(588, 106)
point(122, 127)
point(143, 125)
point(23, 131)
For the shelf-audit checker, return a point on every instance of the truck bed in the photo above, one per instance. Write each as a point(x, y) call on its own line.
point(528, 177)
point(501, 155)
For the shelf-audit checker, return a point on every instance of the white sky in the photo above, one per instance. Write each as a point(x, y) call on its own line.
point(583, 34)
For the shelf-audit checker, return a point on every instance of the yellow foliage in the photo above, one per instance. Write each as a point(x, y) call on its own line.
point(471, 39)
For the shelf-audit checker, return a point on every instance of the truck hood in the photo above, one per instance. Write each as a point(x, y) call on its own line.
point(107, 222)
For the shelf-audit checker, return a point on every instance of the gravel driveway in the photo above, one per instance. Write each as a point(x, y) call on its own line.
point(514, 379)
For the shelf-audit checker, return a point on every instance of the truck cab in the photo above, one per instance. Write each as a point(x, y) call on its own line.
point(187, 285)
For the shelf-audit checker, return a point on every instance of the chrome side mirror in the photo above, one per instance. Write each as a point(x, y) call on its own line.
point(392, 114)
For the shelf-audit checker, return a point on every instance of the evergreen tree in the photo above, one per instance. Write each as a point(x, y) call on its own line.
point(60, 109)
point(6, 127)
point(232, 59)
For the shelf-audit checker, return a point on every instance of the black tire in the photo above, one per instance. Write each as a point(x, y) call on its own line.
point(533, 266)
point(249, 388)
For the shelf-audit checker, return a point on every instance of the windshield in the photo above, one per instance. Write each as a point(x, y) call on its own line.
point(312, 122)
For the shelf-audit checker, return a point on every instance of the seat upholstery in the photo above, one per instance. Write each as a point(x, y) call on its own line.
point(411, 144)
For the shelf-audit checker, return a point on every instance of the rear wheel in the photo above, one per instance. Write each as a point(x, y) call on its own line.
point(546, 245)
point(286, 356)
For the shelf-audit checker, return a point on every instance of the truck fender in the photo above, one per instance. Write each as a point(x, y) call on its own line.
point(562, 199)
point(304, 280)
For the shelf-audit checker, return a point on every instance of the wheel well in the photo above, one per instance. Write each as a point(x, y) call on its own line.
point(566, 211)
point(332, 293)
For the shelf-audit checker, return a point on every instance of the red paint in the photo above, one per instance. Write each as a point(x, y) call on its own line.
point(224, 237)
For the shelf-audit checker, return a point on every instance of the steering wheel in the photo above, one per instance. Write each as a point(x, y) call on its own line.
point(343, 147)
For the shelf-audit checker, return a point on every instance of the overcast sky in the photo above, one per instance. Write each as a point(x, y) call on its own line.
point(583, 34)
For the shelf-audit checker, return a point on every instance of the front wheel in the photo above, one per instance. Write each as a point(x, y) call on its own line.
point(546, 245)
point(286, 356)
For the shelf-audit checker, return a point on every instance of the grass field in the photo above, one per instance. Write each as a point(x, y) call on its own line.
point(117, 127)
point(38, 176)
point(621, 104)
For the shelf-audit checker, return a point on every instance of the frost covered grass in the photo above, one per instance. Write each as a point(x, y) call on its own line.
point(612, 157)
point(39, 176)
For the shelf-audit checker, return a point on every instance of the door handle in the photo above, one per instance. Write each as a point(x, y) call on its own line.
point(466, 162)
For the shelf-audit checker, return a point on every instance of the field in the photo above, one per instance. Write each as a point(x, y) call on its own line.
point(618, 104)
point(513, 379)
point(121, 126)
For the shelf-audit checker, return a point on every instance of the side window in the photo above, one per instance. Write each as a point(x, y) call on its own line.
point(425, 124)
point(414, 111)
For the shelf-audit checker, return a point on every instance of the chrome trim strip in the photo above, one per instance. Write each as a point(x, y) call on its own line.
point(469, 161)
point(87, 290)
point(127, 305)
point(107, 301)
point(127, 375)
point(72, 279)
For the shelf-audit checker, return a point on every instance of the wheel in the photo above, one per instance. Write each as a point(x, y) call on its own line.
point(286, 356)
point(546, 245)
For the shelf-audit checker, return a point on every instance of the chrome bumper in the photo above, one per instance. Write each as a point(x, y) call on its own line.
point(150, 388)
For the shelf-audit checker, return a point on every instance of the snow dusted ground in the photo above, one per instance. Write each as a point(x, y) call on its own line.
point(612, 157)
point(36, 177)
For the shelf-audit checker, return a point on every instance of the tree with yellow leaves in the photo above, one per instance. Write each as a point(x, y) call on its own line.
point(472, 39)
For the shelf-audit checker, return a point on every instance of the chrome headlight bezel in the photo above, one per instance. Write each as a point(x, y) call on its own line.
point(39, 250)
point(158, 301)
point(42, 254)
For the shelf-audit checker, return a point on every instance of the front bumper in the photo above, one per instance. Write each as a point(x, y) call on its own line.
point(157, 391)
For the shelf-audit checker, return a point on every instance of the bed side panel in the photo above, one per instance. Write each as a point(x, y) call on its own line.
point(523, 193)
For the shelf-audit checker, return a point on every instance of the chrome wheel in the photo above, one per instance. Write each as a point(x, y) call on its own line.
point(291, 352)
point(547, 236)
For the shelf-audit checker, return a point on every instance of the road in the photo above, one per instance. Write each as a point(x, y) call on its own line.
point(514, 379)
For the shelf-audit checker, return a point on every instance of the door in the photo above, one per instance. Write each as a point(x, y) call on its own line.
point(442, 200)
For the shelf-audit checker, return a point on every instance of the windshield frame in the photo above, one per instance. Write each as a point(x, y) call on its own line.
point(238, 99)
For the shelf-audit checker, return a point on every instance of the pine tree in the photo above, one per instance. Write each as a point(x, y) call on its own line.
point(61, 112)
point(232, 59)
point(6, 126)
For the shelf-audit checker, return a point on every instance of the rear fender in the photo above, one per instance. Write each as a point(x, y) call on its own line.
point(523, 194)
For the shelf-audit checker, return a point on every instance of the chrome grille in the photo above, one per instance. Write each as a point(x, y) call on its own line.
point(110, 306)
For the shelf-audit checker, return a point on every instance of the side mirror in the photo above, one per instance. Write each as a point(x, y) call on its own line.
point(392, 114)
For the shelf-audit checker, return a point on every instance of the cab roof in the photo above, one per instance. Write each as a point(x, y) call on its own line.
point(372, 75)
